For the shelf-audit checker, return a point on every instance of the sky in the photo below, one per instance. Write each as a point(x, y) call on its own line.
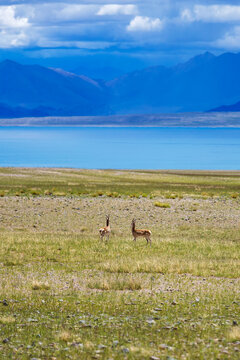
point(122, 34)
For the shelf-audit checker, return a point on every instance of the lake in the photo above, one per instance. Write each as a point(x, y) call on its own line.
point(121, 148)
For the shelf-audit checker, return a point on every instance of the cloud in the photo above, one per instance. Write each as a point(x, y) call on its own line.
point(115, 9)
point(50, 13)
point(145, 23)
point(231, 40)
point(8, 18)
point(212, 13)
point(13, 39)
point(90, 45)
point(54, 13)
point(71, 12)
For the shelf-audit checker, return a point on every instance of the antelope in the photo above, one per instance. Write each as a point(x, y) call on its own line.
point(105, 231)
point(141, 232)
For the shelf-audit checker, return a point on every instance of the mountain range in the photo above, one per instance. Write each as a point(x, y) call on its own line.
point(205, 82)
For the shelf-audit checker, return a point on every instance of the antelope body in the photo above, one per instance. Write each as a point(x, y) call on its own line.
point(105, 231)
point(141, 233)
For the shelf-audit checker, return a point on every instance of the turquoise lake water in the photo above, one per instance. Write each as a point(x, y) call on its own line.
point(121, 148)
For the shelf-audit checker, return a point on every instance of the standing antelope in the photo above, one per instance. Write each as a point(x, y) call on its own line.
point(105, 231)
point(141, 232)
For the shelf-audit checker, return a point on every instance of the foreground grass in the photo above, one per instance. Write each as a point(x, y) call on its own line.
point(121, 325)
point(70, 296)
point(64, 294)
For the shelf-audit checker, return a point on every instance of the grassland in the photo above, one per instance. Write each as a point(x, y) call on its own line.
point(61, 182)
point(66, 295)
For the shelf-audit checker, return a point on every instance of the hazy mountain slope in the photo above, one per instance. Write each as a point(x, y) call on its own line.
point(106, 73)
point(204, 82)
point(138, 90)
point(33, 86)
point(7, 111)
point(227, 108)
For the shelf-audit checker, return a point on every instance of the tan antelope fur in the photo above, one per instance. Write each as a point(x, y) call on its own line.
point(105, 231)
point(141, 232)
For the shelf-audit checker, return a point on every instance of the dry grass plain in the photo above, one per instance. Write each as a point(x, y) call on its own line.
point(64, 294)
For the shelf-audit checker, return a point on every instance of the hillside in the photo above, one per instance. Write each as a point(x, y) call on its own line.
point(202, 83)
point(228, 108)
point(33, 86)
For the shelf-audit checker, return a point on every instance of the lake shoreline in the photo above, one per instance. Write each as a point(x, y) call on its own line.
point(195, 120)
point(124, 126)
point(183, 172)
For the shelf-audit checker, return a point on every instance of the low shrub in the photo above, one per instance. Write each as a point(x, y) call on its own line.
point(83, 229)
point(6, 320)
point(35, 192)
point(171, 196)
point(113, 194)
point(134, 196)
point(100, 193)
point(162, 205)
point(193, 208)
point(65, 336)
point(59, 193)
point(37, 285)
point(234, 334)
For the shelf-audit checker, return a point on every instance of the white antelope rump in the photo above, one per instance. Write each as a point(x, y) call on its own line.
point(105, 231)
point(141, 232)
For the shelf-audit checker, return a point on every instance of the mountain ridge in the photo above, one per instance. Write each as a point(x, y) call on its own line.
point(200, 84)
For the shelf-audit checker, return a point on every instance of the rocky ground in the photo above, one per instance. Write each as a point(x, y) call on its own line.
point(75, 215)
